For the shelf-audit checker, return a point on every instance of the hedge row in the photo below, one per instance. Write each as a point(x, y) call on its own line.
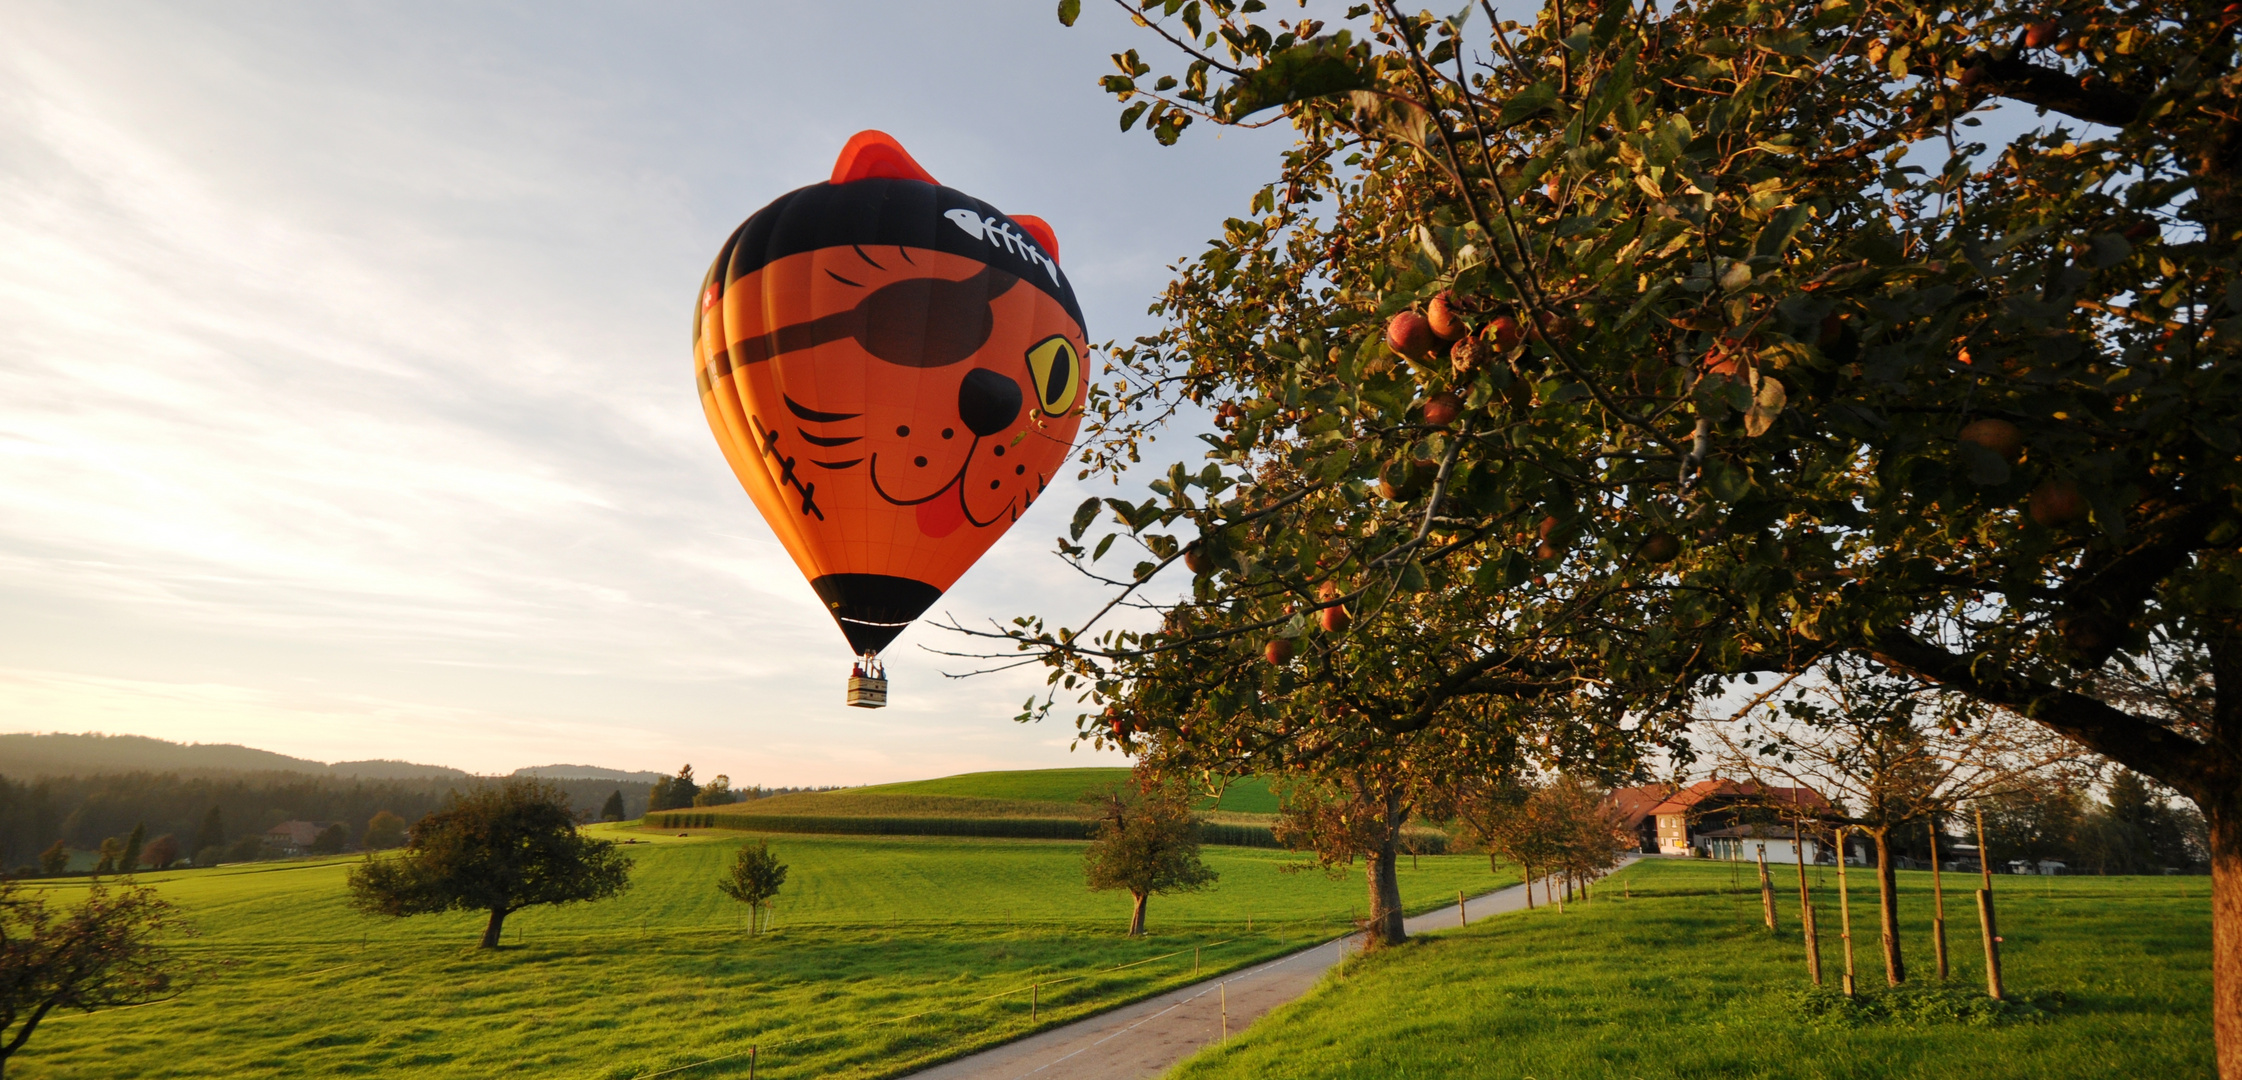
point(1012, 828)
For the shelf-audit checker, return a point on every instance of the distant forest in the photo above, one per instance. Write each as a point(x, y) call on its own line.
point(82, 811)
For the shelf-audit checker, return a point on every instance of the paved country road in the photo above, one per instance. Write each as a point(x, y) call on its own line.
point(1151, 1036)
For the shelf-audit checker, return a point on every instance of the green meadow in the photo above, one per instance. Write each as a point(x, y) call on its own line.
point(887, 954)
point(1670, 973)
point(1067, 786)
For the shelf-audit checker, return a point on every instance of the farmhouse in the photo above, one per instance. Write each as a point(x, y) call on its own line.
point(1630, 807)
point(295, 837)
point(1745, 816)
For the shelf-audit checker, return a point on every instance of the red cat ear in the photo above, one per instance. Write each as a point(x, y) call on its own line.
point(872, 154)
point(1041, 230)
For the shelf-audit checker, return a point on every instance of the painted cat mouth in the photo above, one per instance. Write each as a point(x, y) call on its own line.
point(954, 482)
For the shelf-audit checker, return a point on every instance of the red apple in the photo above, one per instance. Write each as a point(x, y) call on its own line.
point(1442, 320)
point(2041, 34)
point(1998, 436)
point(1279, 651)
point(1443, 409)
point(1661, 547)
point(1504, 333)
point(1407, 333)
point(2056, 502)
point(1196, 559)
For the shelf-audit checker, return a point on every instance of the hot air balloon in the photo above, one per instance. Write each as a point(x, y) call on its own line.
point(893, 369)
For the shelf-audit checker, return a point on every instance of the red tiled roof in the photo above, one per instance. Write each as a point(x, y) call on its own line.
point(1740, 791)
point(1633, 804)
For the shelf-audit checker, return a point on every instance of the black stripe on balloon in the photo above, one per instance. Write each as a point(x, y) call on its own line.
point(891, 213)
point(867, 258)
point(844, 281)
point(873, 608)
point(836, 464)
point(820, 440)
point(814, 416)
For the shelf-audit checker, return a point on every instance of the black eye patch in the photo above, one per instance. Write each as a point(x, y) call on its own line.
point(915, 322)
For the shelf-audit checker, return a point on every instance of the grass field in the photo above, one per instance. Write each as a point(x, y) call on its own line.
point(888, 954)
point(1059, 786)
point(1679, 979)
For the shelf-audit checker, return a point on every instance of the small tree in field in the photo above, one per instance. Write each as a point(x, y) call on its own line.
point(162, 852)
point(500, 848)
point(101, 953)
point(754, 879)
point(55, 859)
point(1146, 842)
point(212, 833)
point(112, 849)
point(331, 840)
point(129, 861)
point(612, 810)
point(385, 831)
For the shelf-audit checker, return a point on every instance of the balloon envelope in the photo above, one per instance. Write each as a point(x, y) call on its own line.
point(894, 370)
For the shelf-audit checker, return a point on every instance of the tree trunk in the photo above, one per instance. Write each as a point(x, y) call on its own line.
point(1385, 895)
point(1529, 872)
point(1887, 904)
point(497, 926)
point(1136, 915)
point(2226, 932)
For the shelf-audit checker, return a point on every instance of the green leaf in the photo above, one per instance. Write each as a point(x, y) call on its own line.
point(1102, 546)
point(1085, 514)
point(1527, 102)
point(2110, 249)
point(1728, 483)
point(1130, 114)
point(1318, 67)
point(1766, 406)
point(1413, 578)
point(1069, 10)
point(1779, 230)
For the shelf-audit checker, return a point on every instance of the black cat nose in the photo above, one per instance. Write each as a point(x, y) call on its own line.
point(988, 402)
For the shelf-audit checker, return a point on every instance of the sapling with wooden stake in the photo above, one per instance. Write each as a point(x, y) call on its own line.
point(1986, 924)
point(1766, 889)
point(1806, 904)
point(1844, 911)
point(1938, 905)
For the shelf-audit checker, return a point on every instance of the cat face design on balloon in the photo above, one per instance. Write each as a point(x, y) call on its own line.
point(894, 370)
point(942, 383)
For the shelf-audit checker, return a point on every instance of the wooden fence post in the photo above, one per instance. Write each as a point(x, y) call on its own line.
point(1033, 990)
point(1463, 918)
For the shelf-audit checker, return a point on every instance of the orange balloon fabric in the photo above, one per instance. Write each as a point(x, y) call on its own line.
point(894, 371)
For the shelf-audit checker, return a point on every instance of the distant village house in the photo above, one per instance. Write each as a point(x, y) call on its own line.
point(295, 837)
point(1722, 819)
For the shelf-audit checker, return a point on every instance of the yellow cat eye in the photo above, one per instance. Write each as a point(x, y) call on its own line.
point(1056, 372)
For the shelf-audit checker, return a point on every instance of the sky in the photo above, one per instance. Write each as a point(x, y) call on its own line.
point(346, 405)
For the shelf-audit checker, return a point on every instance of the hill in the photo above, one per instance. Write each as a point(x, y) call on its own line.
point(25, 755)
point(587, 772)
point(1249, 796)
